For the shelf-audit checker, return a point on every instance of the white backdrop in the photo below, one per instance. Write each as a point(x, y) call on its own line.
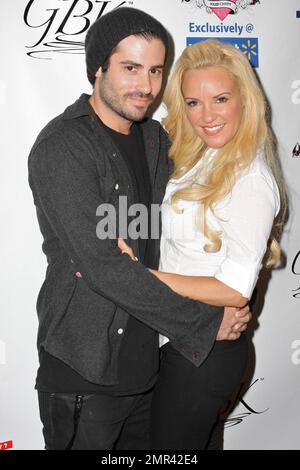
point(39, 77)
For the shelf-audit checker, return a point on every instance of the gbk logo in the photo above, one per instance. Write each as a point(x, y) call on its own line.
point(296, 151)
point(222, 8)
point(59, 25)
point(235, 419)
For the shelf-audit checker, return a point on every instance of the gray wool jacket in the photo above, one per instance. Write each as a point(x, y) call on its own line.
point(73, 168)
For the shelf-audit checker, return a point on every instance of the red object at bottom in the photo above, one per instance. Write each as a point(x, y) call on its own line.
point(6, 445)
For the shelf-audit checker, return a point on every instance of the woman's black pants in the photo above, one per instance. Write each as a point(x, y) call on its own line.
point(187, 399)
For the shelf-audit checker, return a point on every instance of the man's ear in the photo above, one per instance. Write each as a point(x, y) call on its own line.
point(99, 72)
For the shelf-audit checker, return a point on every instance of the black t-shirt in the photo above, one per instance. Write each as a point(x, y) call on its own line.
point(139, 353)
point(132, 149)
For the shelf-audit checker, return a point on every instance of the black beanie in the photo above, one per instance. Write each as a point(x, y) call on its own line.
point(111, 28)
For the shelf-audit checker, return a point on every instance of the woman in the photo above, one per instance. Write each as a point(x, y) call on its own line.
point(217, 219)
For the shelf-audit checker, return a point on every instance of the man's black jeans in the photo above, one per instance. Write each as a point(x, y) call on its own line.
point(95, 422)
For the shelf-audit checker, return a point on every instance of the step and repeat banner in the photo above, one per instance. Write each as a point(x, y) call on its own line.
point(42, 71)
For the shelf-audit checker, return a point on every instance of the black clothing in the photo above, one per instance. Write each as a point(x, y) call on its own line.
point(187, 400)
point(74, 167)
point(95, 422)
point(139, 355)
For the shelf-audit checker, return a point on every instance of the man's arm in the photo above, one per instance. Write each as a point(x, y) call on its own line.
point(66, 188)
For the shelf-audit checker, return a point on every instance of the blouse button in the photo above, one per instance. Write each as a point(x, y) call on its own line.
point(120, 331)
point(117, 186)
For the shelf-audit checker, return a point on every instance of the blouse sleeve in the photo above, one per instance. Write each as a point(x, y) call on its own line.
point(246, 218)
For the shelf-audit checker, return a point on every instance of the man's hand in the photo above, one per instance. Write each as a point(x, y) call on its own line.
point(234, 321)
point(126, 249)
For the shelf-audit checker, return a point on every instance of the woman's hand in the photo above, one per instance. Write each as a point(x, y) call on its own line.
point(126, 249)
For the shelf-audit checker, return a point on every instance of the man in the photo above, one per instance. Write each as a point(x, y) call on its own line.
point(99, 312)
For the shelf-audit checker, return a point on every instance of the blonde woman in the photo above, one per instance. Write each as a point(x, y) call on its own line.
point(217, 226)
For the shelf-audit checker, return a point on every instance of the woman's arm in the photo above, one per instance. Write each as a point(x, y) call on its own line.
point(203, 288)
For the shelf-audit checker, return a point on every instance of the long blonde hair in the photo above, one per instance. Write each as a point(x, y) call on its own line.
point(237, 155)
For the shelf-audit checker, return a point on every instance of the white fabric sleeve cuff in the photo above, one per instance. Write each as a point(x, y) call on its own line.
point(240, 277)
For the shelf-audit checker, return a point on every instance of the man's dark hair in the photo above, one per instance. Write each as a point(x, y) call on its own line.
point(110, 29)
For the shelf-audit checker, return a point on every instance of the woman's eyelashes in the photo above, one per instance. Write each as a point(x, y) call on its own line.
point(218, 100)
point(191, 103)
point(222, 99)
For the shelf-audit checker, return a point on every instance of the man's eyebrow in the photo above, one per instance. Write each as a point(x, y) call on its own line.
point(130, 62)
point(135, 64)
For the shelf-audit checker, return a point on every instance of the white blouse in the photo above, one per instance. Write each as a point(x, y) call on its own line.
point(244, 218)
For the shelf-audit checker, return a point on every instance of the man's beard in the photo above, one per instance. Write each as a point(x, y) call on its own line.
point(113, 102)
